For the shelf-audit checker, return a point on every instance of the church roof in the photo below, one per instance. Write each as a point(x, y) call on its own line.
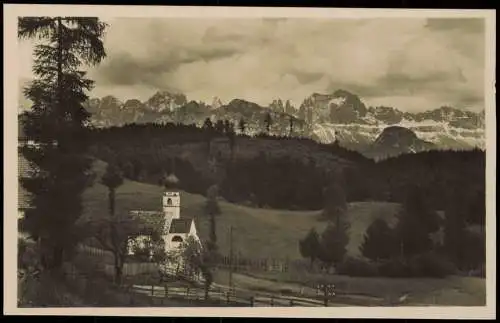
point(180, 225)
point(149, 221)
point(171, 179)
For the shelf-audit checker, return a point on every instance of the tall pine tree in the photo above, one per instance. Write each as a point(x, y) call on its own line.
point(212, 209)
point(310, 246)
point(416, 222)
point(57, 124)
point(379, 242)
point(455, 232)
point(335, 202)
point(334, 242)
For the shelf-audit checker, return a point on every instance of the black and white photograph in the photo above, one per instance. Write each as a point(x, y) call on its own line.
point(311, 162)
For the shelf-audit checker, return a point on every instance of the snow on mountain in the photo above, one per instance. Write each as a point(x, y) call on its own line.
point(343, 116)
point(340, 116)
point(216, 103)
point(166, 101)
point(357, 136)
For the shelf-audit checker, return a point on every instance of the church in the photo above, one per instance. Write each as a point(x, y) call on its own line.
point(175, 230)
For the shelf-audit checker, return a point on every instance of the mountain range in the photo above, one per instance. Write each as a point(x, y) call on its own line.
point(339, 116)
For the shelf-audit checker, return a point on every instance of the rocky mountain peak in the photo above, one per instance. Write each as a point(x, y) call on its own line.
point(396, 140)
point(166, 100)
point(216, 103)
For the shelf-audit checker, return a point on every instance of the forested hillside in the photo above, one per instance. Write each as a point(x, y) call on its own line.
point(289, 173)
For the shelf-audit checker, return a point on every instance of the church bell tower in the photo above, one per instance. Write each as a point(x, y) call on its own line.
point(172, 205)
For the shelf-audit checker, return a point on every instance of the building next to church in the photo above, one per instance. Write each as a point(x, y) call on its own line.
point(174, 229)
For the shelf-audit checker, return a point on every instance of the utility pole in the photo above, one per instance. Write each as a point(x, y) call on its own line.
point(230, 258)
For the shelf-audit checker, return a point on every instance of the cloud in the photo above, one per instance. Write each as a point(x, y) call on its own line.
point(405, 63)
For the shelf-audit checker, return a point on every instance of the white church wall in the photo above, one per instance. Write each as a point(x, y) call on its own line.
point(174, 244)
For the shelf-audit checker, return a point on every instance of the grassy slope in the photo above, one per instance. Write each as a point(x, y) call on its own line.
point(275, 233)
point(452, 291)
point(257, 232)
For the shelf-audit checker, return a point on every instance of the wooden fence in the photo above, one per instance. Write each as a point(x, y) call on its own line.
point(239, 263)
point(88, 274)
point(225, 297)
point(133, 269)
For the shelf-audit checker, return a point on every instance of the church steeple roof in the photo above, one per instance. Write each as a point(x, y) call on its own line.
point(171, 180)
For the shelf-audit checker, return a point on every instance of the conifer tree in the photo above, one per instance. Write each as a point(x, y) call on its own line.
point(57, 124)
point(268, 122)
point(212, 209)
point(335, 203)
point(310, 246)
point(334, 242)
point(379, 241)
point(455, 232)
point(242, 126)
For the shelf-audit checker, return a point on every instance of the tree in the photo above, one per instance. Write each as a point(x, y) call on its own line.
point(212, 209)
point(242, 126)
point(379, 241)
point(207, 124)
point(417, 204)
point(291, 126)
point(209, 132)
point(310, 246)
point(416, 222)
point(57, 122)
point(114, 235)
point(231, 134)
point(219, 127)
point(334, 242)
point(455, 230)
point(335, 203)
point(227, 126)
point(199, 260)
point(268, 121)
point(412, 236)
point(112, 179)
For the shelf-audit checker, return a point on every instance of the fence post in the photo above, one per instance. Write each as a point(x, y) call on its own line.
point(166, 290)
point(227, 297)
point(326, 301)
point(152, 290)
point(272, 301)
point(291, 302)
point(251, 301)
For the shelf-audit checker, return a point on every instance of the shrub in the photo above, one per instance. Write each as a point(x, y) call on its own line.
point(357, 267)
point(431, 264)
point(394, 267)
point(379, 241)
point(422, 265)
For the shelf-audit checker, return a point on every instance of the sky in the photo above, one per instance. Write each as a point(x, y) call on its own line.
point(411, 64)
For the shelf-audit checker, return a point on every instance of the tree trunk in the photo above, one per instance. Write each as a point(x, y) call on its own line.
point(207, 287)
point(111, 197)
point(118, 269)
point(57, 257)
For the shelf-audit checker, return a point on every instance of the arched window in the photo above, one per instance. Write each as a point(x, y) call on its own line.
point(176, 239)
point(169, 201)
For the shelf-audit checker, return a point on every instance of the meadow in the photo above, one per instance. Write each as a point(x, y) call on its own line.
point(257, 233)
point(269, 233)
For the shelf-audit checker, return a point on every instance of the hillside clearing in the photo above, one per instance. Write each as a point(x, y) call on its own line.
point(257, 233)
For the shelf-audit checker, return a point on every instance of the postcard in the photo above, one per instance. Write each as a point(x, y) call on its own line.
point(254, 162)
